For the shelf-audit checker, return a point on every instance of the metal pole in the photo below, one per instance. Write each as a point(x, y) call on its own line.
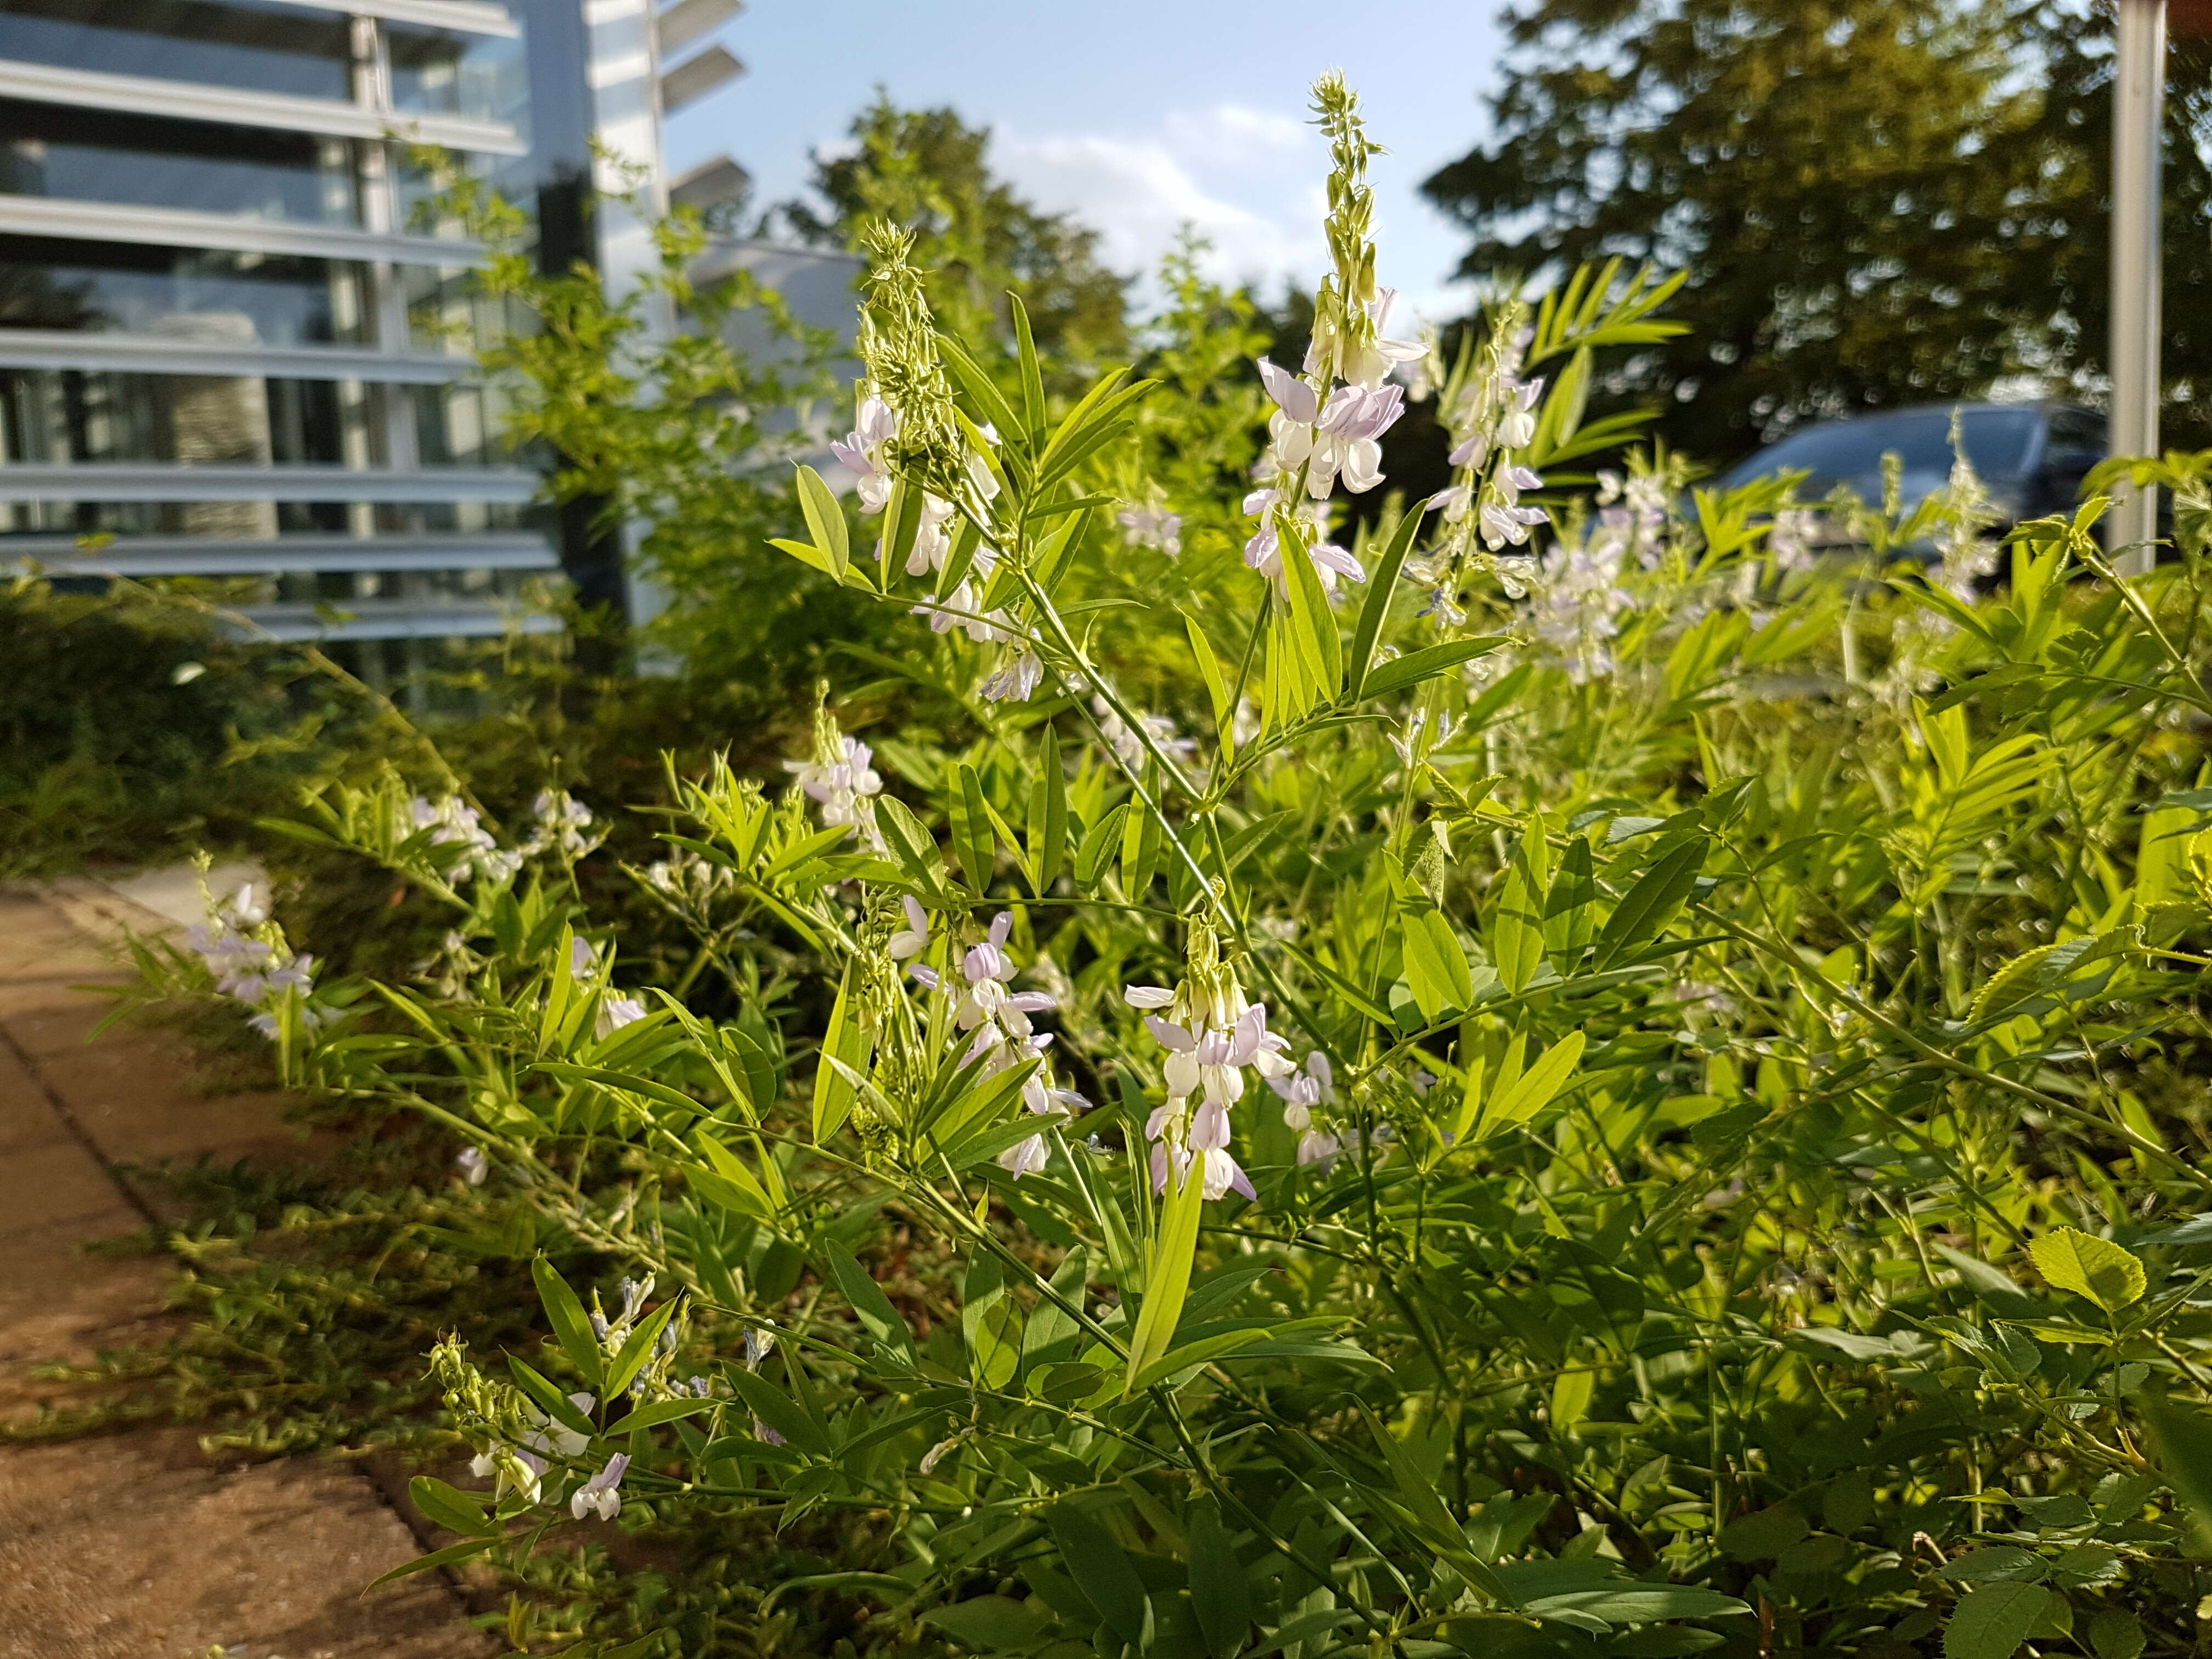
point(2138, 112)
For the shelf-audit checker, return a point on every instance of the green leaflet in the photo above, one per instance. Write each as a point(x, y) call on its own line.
point(1209, 671)
point(1047, 825)
point(990, 1324)
point(1218, 1591)
point(1401, 673)
point(825, 520)
point(1103, 1573)
point(990, 1623)
point(1534, 1089)
point(1167, 1275)
point(1516, 931)
point(1312, 628)
point(1143, 840)
point(1646, 909)
point(1374, 607)
point(1436, 965)
point(865, 1298)
point(456, 1512)
point(570, 1328)
point(2182, 1436)
point(846, 1042)
point(972, 837)
point(1098, 848)
point(777, 1409)
point(1569, 908)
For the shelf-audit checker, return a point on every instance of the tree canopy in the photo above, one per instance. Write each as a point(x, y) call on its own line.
point(930, 171)
point(1876, 204)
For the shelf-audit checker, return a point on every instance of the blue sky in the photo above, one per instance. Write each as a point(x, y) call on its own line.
point(1136, 116)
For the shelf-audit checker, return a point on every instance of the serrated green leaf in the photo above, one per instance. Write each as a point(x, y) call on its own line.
point(2097, 1268)
point(1990, 1623)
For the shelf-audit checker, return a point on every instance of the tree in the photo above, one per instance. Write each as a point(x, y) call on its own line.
point(1876, 204)
point(930, 171)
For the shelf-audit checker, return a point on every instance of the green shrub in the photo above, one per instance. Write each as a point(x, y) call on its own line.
point(133, 730)
point(1647, 1099)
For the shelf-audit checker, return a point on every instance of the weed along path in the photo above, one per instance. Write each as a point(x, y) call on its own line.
point(136, 1544)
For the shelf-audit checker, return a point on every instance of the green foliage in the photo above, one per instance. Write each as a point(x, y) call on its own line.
point(1873, 203)
point(129, 727)
point(928, 172)
point(643, 408)
point(1651, 1102)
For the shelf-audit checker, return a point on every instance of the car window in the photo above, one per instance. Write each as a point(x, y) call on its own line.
point(2076, 429)
point(1996, 441)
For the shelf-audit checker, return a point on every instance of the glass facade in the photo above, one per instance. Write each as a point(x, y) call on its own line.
point(232, 303)
point(146, 161)
point(252, 45)
point(216, 295)
point(59, 416)
point(437, 72)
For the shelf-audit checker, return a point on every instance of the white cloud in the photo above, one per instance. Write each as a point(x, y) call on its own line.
point(1246, 179)
point(1232, 132)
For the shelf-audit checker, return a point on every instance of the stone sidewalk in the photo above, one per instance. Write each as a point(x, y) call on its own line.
point(137, 1545)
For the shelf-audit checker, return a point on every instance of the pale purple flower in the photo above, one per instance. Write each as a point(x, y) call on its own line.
point(1504, 526)
point(617, 1012)
point(1017, 682)
point(844, 785)
point(861, 452)
point(1024, 1158)
point(914, 939)
point(602, 1492)
point(1144, 527)
point(473, 1164)
point(1297, 400)
point(1303, 1091)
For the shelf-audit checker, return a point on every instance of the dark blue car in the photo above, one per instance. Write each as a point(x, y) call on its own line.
point(2031, 457)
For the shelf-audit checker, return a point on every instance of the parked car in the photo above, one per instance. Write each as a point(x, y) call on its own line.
point(2031, 457)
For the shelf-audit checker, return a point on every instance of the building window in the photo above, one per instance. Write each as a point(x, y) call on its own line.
point(209, 294)
point(254, 45)
point(143, 160)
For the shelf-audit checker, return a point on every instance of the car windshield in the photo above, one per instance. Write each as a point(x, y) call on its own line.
point(1996, 441)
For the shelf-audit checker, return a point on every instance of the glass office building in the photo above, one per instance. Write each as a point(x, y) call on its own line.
point(233, 342)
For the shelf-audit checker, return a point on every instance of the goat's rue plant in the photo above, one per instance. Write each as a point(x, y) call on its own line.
point(1558, 1075)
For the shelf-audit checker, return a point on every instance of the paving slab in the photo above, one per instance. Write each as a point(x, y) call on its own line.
point(37, 941)
point(138, 1545)
point(167, 1555)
